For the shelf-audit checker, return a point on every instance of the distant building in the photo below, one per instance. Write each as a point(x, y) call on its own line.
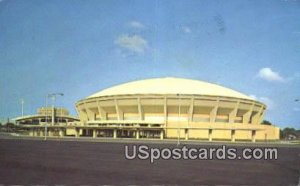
point(167, 108)
point(35, 123)
point(292, 137)
point(44, 115)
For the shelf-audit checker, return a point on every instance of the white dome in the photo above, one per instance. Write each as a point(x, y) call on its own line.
point(170, 86)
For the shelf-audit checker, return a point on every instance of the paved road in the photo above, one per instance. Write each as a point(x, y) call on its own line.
point(38, 162)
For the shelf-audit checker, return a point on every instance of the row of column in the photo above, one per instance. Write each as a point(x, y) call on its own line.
point(253, 135)
point(137, 132)
point(95, 133)
point(253, 115)
point(50, 133)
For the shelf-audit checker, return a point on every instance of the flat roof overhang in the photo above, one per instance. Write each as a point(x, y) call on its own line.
point(29, 117)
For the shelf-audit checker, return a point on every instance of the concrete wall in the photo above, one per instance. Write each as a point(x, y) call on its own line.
point(226, 117)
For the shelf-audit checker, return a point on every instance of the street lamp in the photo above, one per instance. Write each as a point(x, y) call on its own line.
point(53, 97)
point(22, 103)
point(179, 115)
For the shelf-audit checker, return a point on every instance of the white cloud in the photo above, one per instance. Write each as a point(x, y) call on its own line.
point(136, 24)
point(133, 43)
point(186, 29)
point(269, 75)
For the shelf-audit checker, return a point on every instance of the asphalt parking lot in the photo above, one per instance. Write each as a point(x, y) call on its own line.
point(54, 162)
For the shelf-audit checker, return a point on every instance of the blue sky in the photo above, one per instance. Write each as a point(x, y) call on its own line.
point(80, 47)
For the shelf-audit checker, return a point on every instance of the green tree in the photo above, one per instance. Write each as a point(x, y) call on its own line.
point(266, 122)
point(284, 134)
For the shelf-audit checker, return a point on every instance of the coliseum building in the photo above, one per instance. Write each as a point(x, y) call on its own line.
point(168, 108)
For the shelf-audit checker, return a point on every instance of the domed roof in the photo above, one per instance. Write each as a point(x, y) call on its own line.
point(170, 86)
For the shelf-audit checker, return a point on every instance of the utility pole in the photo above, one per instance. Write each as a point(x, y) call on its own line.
point(179, 115)
point(53, 97)
point(22, 104)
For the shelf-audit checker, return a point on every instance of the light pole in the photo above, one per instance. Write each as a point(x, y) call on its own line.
point(179, 115)
point(46, 118)
point(53, 97)
point(22, 103)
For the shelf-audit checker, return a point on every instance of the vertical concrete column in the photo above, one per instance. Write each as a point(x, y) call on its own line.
point(53, 133)
point(94, 133)
point(35, 133)
point(266, 137)
point(260, 120)
point(186, 134)
point(162, 134)
point(118, 111)
point(31, 132)
point(77, 132)
point(209, 134)
point(247, 115)
point(191, 110)
point(232, 135)
point(101, 111)
point(256, 117)
point(42, 132)
point(253, 135)
point(50, 133)
point(82, 114)
point(61, 133)
point(233, 113)
point(115, 134)
point(137, 134)
point(140, 110)
point(53, 117)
